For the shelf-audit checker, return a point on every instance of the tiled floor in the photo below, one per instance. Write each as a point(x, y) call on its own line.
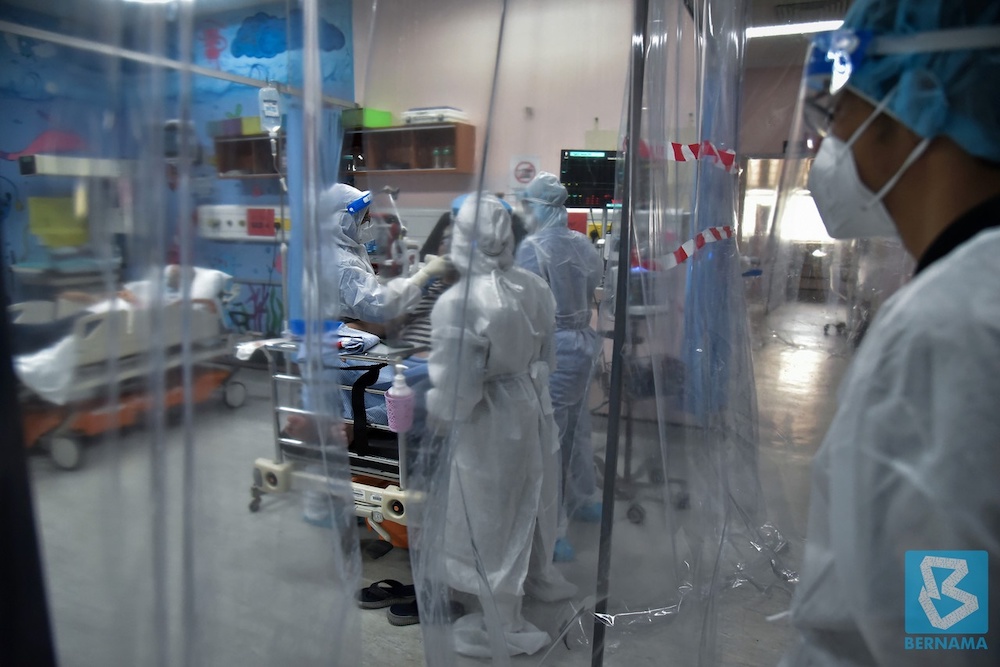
point(261, 583)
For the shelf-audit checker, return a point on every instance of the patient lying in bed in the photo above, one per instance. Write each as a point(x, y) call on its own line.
point(51, 339)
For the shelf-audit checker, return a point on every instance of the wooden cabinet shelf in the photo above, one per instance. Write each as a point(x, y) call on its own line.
point(247, 156)
point(438, 148)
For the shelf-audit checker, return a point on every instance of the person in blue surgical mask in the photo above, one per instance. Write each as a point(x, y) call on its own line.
point(572, 267)
point(903, 546)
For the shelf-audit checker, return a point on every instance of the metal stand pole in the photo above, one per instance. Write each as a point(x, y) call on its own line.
point(632, 128)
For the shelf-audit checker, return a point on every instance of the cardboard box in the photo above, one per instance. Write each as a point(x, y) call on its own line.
point(365, 117)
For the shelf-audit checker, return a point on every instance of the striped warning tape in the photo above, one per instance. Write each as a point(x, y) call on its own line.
point(677, 152)
point(689, 247)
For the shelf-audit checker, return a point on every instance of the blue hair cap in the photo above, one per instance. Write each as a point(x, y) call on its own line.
point(935, 92)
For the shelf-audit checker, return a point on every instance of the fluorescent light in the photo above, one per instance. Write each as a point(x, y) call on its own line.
point(792, 29)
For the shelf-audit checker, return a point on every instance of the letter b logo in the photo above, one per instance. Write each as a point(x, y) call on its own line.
point(947, 592)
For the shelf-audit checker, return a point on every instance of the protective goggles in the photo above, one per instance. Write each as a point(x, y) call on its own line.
point(361, 203)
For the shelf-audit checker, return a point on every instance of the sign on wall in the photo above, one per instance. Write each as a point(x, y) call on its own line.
point(523, 168)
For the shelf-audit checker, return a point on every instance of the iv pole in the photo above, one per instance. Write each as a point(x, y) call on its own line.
point(640, 39)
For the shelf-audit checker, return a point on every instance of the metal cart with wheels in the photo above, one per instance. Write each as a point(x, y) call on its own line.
point(378, 480)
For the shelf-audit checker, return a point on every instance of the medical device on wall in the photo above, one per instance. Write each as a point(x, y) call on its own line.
point(64, 165)
point(224, 222)
point(589, 177)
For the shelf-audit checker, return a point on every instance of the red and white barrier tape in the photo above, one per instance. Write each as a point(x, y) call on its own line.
point(688, 248)
point(677, 152)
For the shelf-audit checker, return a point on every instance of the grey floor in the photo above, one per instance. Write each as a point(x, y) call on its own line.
point(236, 588)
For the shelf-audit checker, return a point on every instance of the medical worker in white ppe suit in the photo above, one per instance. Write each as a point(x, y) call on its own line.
point(350, 286)
point(502, 506)
point(911, 462)
point(572, 267)
point(351, 291)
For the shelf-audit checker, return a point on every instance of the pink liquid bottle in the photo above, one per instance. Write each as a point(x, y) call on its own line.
point(399, 401)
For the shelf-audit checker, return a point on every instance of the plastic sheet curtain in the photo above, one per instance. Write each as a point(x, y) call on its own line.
point(132, 264)
point(689, 341)
point(120, 317)
point(688, 538)
point(851, 278)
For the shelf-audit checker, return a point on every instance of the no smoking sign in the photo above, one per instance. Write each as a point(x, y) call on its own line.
point(523, 168)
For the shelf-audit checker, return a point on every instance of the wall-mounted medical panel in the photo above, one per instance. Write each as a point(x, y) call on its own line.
point(240, 223)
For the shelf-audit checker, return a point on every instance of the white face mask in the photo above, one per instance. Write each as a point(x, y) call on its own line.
point(849, 209)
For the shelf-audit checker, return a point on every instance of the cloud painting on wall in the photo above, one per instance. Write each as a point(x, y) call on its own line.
point(267, 45)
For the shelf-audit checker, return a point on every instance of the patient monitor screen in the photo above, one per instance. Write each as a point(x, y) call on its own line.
point(589, 177)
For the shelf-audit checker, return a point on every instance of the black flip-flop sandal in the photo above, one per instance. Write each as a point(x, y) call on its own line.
point(385, 593)
point(408, 613)
point(403, 614)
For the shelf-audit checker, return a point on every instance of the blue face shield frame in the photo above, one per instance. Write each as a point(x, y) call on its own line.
point(361, 203)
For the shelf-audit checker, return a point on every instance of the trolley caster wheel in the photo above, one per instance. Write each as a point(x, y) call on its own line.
point(65, 452)
point(255, 494)
point(236, 394)
point(636, 514)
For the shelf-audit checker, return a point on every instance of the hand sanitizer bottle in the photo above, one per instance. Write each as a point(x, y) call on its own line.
point(399, 400)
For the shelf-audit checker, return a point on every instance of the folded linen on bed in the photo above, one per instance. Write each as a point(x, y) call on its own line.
point(49, 372)
point(350, 340)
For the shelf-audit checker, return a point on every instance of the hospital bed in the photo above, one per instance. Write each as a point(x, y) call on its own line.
point(65, 385)
point(378, 480)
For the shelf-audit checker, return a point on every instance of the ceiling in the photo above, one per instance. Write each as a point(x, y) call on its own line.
point(780, 51)
point(760, 52)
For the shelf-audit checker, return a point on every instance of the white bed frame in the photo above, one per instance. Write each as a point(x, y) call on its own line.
point(128, 337)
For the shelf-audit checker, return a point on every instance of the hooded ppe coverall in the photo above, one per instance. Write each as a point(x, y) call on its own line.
point(572, 267)
point(489, 366)
point(917, 423)
point(350, 287)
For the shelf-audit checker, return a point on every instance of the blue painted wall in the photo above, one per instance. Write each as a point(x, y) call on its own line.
point(56, 100)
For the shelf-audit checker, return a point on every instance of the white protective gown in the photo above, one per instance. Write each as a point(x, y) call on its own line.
point(572, 267)
point(503, 488)
point(911, 462)
point(349, 286)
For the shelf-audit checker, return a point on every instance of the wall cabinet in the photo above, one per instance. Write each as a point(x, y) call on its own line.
point(247, 156)
point(433, 148)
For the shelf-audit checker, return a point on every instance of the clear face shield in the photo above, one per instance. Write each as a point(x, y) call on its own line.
point(819, 165)
point(832, 58)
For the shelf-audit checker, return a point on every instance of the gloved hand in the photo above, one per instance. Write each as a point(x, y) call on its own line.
point(436, 267)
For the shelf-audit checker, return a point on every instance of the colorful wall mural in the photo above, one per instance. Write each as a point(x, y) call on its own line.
point(54, 101)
